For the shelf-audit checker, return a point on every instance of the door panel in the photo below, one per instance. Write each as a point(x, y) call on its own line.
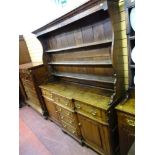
point(90, 131)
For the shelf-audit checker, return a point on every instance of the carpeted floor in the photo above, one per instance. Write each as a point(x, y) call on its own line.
point(42, 137)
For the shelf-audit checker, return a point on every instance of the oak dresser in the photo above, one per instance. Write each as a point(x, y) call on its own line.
point(84, 56)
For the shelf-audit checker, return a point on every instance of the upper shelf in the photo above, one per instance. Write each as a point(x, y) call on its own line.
point(105, 42)
point(85, 63)
point(96, 78)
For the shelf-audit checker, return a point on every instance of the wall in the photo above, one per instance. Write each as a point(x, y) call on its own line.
point(24, 56)
point(34, 47)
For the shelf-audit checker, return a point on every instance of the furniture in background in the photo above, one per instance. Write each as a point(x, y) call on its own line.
point(24, 56)
point(32, 75)
point(126, 109)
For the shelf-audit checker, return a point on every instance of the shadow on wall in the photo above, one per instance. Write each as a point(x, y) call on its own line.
point(34, 47)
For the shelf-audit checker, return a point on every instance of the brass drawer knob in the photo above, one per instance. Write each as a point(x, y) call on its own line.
point(130, 122)
point(78, 106)
point(62, 117)
point(93, 113)
point(79, 124)
point(66, 103)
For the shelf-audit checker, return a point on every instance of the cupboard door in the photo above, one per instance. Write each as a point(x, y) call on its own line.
point(91, 132)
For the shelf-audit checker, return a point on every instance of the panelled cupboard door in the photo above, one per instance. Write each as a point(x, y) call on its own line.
point(91, 132)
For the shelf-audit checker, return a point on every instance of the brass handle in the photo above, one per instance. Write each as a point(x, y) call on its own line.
point(62, 117)
point(93, 113)
point(79, 124)
point(78, 106)
point(130, 122)
point(66, 103)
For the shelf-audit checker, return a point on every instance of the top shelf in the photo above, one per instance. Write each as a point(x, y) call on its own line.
point(105, 42)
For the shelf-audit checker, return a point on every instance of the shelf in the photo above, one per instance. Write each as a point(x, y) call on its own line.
point(80, 46)
point(83, 63)
point(103, 79)
point(132, 37)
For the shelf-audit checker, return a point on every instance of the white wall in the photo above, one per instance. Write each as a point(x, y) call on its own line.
point(36, 13)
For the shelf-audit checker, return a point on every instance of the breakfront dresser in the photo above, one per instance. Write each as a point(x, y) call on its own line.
point(31, 76)
point(83, 53)
point(126, 109)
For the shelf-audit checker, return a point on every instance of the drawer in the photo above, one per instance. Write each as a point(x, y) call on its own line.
point(28, 84)
point(31, 92)
point(127, 120)
point(47, 93)
point(34, 101)
point(64, 112)
point(33, 98)
point(26, 75)
point(90, 111)
point(72, 121)
point(63, 101)
point(74, 131)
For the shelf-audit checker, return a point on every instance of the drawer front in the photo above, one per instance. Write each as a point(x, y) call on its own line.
point(28, 84)
point(91, 111)
point(47, 93)
point(64, 112)
point(31, 92)
point(72, 121)
point(34, 99)
point(127, 120)
point(63, 101)
point(26, 75)
point(73, 131)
